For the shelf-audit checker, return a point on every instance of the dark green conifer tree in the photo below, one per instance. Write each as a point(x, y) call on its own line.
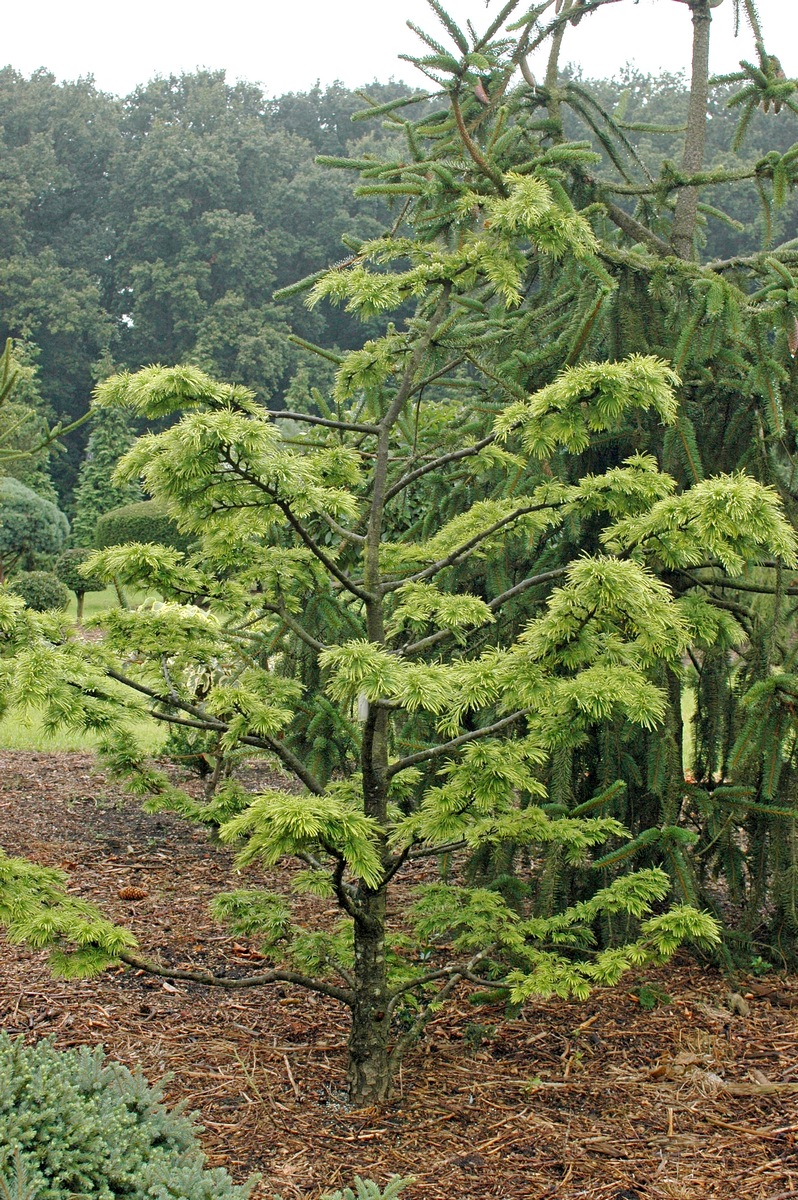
point(96, 493)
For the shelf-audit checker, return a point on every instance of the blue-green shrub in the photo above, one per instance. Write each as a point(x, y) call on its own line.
point(73, 1122)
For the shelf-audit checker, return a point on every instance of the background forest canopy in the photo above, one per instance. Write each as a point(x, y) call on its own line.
point(157, 227)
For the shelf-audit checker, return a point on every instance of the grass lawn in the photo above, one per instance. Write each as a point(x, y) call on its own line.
point(95, 602)
point(25, 732)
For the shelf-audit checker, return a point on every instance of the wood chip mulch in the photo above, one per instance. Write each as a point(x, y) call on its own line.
point(602, 1100)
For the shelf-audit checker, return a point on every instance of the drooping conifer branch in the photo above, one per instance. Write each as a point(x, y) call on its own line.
point(744, 585)
point(467, 547)
point(285, 508)
point(437, 464)
point(279, 414)
point(494, 605)
point(636, 229)
point(291, 622)
point(485, 167)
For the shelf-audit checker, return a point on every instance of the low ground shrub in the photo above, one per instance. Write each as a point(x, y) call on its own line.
point(74, 1123)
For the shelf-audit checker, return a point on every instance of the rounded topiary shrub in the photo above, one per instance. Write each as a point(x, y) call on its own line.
point(67, 568)
point(31, 528)
point(41, 590)
point(74, 1123)
point(142, 522)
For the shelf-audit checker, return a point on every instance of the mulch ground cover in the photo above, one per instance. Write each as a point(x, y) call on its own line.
point(606, 1100)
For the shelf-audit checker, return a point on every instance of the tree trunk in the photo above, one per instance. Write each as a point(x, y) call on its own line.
point(79, 614)
point(120, 595)
point(686, 214)
point(369, 1070)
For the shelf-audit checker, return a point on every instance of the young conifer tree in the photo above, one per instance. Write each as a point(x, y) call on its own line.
point(96, 493)
point(474, 545)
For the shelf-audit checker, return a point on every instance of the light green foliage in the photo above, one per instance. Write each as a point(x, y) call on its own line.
point(249, 913)
point(588, 399)
point(367, 1189)
point(723, 518)
point(612, 607)
point(529, 209)
point(73, 1123)
point(35, 908)
point(465, 920)
point(420, 603)
point(455, 601)
point(279, 824)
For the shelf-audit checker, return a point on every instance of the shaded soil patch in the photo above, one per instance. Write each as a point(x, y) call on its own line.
point(601, 1099)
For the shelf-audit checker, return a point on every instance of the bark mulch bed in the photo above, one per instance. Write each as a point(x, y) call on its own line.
point(602, 1100)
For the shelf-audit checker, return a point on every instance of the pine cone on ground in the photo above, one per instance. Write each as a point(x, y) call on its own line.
point(131, 893)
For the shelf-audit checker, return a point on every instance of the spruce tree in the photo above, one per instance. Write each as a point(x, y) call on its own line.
point(96, 493)
point(27, 441)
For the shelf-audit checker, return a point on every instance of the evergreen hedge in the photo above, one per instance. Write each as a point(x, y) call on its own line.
point(145, 521)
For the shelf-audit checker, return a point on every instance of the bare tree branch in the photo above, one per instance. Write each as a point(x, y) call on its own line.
point(278, 414)
point(294, 625)
point(740, 585)
point(465, 549)
point(235, 983)
point(348, 535)
point(446, 747)
point(456, 974)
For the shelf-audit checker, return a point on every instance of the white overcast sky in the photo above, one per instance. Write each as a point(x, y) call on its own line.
point(286, 45)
